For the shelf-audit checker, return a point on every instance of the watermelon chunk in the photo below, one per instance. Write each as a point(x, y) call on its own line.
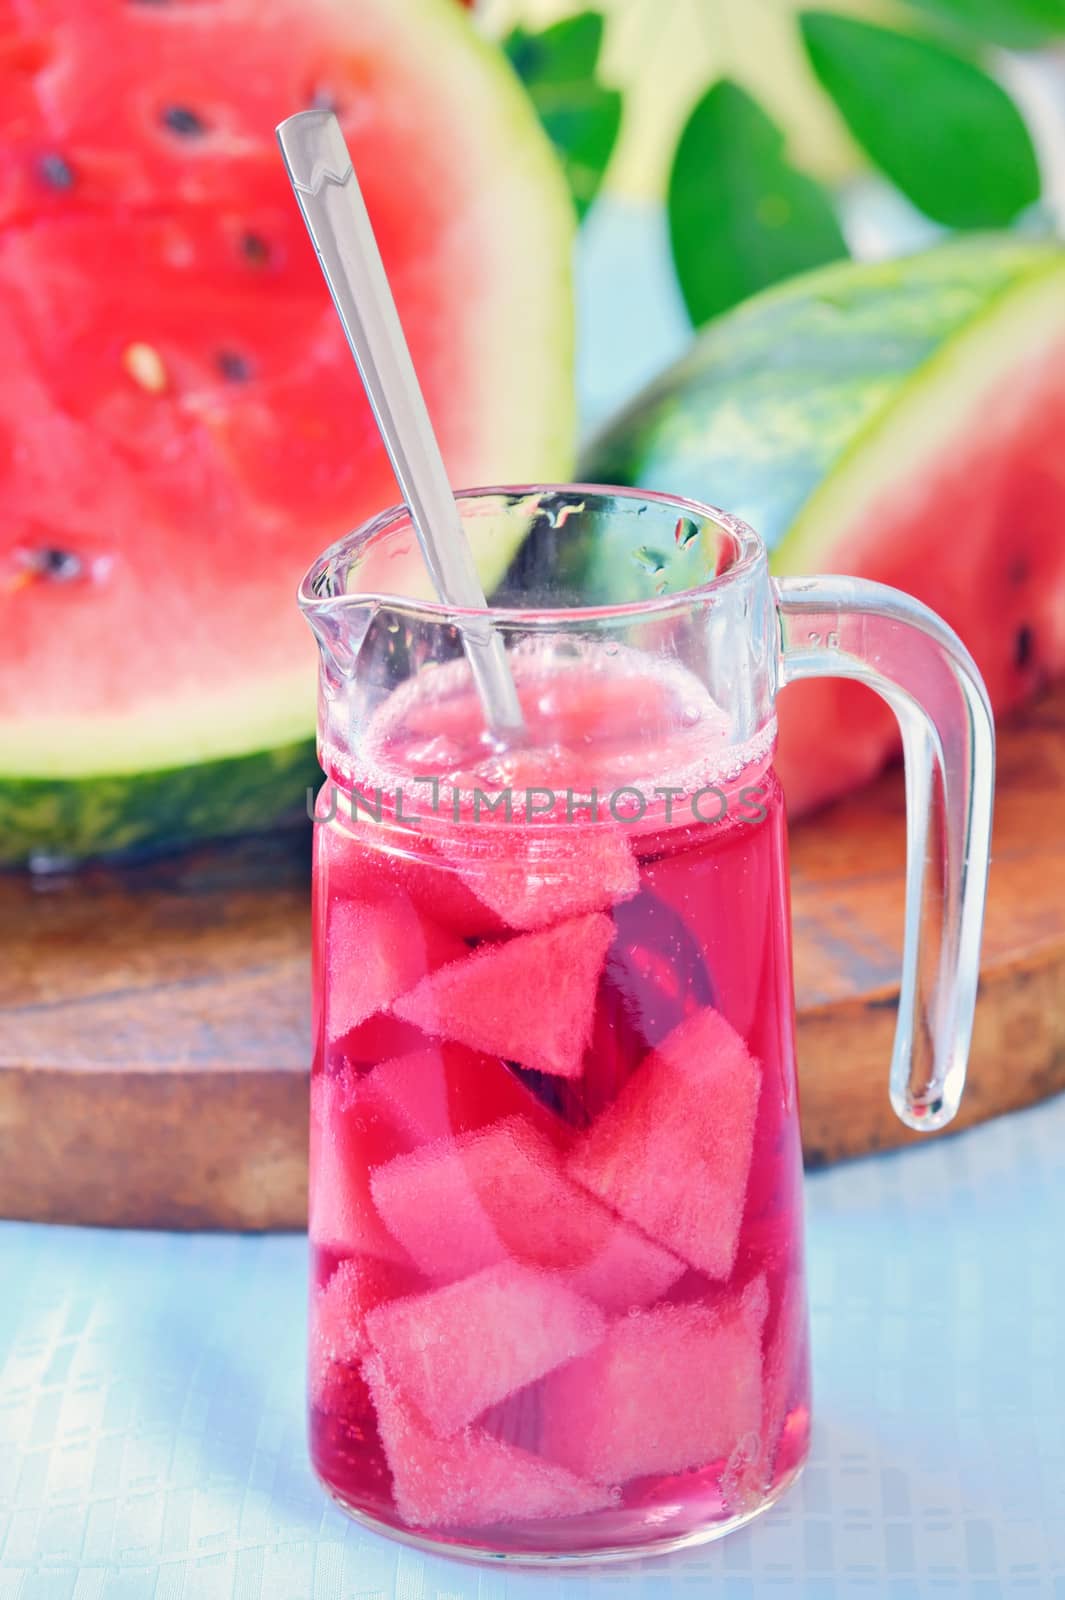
point(381, 1037)
point(456, 1351)
point(502, 1193)
point(183, 431)
point(338, 1339)
point(445, 1089)
point(655, 975)
point(530, 999)
point(376, 952)
point(668, 1389)
point(472, 1479)
point(530, 880)
point(673, 1151)
point(348, 1137)
point(355, 869)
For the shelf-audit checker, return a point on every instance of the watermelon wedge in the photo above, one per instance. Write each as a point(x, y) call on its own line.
point(530, 880)
point(181, 426)
point(349, 1135)
point(338, 1338)
point(381, 1038)
point(529, 999)
point(667, 1389)
point(690, 1107)
point(444, 1089)
point(471, 1479)
point(501, 1193)
point(376, 952)
point(901, 421)
point(354, 869)
point(456, 1351)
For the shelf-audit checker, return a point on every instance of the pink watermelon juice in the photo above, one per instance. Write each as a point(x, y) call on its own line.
point(557, 1302)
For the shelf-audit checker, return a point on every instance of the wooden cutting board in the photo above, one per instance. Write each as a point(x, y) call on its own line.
point(154, 1019)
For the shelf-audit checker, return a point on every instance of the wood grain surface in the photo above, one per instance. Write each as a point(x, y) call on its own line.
point(154, 1019)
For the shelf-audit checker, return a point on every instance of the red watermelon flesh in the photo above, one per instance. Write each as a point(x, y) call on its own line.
point(338, 1338)
point(246, 452)
point(181, 426)
point(531, 880)
point(502, 1193)
point(529, 999)
point(352, 868)
point(348, 1138)
point(380, 1038)
point(691, 1105)
point(376, 952)
point(669, 1389)
point(444, 1089)
point(471, 1479)
point(458, 1350)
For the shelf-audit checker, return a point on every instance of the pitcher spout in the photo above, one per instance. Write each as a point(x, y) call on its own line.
point(340, 626)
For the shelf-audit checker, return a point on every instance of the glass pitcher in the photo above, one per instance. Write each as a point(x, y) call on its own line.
point(558, 1307)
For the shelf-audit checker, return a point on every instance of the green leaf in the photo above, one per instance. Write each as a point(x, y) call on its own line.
point(567, 52)
point(948, 135)
point(581, 116)
point(1019, 24)
point(739, 216)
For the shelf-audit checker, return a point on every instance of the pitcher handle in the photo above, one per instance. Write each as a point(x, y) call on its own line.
point(850, 628)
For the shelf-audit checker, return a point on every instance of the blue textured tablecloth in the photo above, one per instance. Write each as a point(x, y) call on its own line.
point(151, 1409)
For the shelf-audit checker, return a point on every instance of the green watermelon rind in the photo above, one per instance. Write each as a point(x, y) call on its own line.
point(798, 392)
point(1022, 316)
point(53, 821)
point(87, 796)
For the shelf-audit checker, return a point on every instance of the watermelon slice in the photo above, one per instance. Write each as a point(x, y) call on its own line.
point(338, 1339)
point(530, 880)
point(667, 1390)
point(445, 1089)
point(355, 870)
point(502, 1193)
point(530, 999)
point(456, 1351)
point(348, 1137)
point(655, 975)
point(181, 428)
point(376, 952)
point(472, 1479)
point(381, 1038)
point(673, 1151)
point(899, 420)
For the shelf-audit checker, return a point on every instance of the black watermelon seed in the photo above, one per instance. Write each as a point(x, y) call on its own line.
point(56, 171)
point(1023, 646)
point(185, 123)
point(254, 248)
point(325, 100)
point(234, 366)
point(53, 562)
